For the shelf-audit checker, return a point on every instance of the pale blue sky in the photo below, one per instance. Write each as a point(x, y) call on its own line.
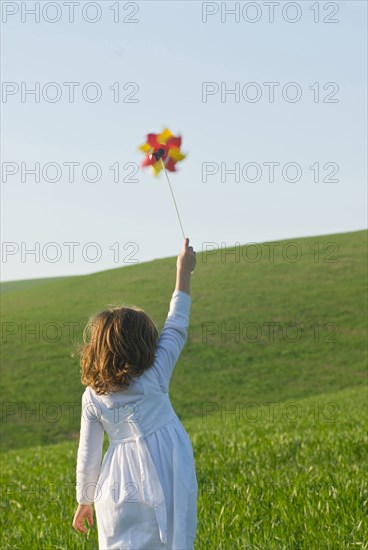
point(169, 53)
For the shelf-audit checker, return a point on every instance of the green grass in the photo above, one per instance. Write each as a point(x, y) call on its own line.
point(280, 482)
point(269, 483)
point(13, 286)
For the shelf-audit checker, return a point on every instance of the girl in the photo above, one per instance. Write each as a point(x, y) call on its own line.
point(145, 490)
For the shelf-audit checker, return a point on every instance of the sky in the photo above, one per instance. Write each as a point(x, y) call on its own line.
point(270, 100)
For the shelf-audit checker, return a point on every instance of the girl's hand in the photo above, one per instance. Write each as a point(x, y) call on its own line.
point(83, 512)
point(187, 258)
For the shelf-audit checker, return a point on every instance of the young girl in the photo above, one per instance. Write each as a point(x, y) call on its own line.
point(145, 490)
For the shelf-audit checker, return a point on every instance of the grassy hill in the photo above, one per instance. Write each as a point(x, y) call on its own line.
point(317, 346)
point(295, 480)
point(270, 334)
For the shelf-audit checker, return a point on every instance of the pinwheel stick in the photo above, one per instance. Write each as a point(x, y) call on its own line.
point(158, 155)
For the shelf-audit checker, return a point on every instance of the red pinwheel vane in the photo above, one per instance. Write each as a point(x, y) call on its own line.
point(162, 152)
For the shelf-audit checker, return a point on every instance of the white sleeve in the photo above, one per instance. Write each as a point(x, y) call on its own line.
point(172, 338)
point(89, 450)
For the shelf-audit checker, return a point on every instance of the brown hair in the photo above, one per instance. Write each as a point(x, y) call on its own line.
point(119, 345)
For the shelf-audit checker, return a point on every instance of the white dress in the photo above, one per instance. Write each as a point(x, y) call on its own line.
point(145, 490)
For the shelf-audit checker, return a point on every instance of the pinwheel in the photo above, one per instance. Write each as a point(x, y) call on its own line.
point(162, 152)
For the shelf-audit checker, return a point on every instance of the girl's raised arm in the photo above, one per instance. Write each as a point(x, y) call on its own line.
point(174, 333)
point(185, 265)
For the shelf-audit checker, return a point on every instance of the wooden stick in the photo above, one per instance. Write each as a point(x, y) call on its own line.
point(172, 194)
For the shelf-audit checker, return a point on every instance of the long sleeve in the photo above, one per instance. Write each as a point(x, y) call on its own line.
point(173, 337)
point(89, 450)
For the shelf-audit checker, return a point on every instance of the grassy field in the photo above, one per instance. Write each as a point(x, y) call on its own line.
point(271, 387)
point(295, 477)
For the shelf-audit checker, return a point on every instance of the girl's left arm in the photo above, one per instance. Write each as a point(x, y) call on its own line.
point(89, 450)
